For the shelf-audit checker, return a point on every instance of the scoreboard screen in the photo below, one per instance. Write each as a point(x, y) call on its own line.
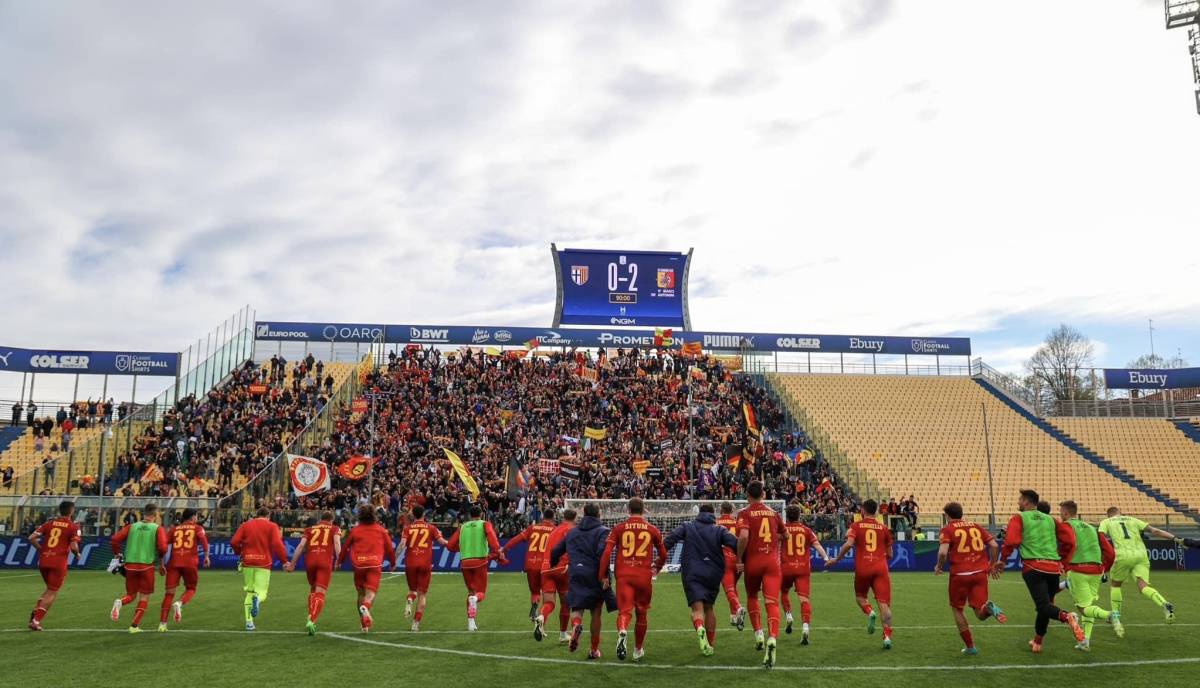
point(633, 288)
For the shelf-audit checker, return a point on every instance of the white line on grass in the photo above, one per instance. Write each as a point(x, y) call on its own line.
point(677, 631)
point(726, 667)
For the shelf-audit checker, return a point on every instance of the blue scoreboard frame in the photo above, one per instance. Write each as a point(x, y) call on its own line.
point(624, 288)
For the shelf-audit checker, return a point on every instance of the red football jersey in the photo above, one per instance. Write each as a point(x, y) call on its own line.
point(538, 537)
point(766, 529)
point(57, 535)
point(636, 543)
point(871, 541)
point(728, 523)
point(187, 540)
point(556, 536)
point(968, 546)
point(256, 541)
point(318, 545)
point(797, 539)
point(370, 545)
point(419, 537)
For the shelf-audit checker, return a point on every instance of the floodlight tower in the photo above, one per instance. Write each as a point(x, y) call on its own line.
point(1187, 13)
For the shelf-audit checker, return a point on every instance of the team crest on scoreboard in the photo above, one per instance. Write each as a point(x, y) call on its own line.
point(579, 274)
point(666, 278)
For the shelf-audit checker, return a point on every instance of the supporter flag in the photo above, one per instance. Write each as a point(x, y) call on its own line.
point(799, 456)
point(492, 351)
point(663, 337)
point(640, 466)
point(463, 473)
point(257, 389)
point(697, 374)
point(734, 456)
point(355, 468)
point(505, 417)
point(707, 480)
point(691, 349)
point(826, 484)
point(567, 439)
point(751, 420)
point(308, 474)
point(595, 433)
point(592, 375)
point(533, 343)
point(516, 480)
point(153, 474)
point(548, 466)
point(568, 471)
point(359, 406)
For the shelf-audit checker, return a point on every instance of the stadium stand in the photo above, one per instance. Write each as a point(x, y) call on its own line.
point(1190, 428)
point(487, 408)
point(925, 436)
point(1153, 449)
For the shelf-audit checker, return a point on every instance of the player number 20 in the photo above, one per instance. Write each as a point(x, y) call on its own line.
point(537, 542)
point(976, 541)
point(635, 544)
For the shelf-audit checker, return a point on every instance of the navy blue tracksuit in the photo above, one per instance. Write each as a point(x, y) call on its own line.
point(703, 561)
point(584, 544)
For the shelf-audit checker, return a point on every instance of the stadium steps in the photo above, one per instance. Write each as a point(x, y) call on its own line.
point(1190, 428)
point(10, 434)
point(1091, 456)
point(797, 418)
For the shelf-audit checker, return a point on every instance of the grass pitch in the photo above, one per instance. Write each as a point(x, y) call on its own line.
point(82, 647)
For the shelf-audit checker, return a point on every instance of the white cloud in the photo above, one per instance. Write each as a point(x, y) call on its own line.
point(867, 166)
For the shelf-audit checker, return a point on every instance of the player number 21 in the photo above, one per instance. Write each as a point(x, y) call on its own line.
point(975, 537)
point(635, 544)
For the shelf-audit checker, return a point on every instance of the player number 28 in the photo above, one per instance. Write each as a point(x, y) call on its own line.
point(635, 544)
point(976, 541)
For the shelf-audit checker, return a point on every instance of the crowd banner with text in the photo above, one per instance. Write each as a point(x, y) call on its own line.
point(16, 360)
point(1151, 378)
point(483, 336)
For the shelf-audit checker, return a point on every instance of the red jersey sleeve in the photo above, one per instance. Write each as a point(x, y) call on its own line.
point(743, 522)
point(118, 540)
point(1066, 540)
point(1107, 554)
point(493, 541)
point(1012, 536)
point(656, 534)
point(202, 538)
point(452, 544)
point(161, 541)
point(239, 539)
point(517, 539)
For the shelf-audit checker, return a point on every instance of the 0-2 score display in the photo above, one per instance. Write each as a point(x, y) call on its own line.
point(621, 288)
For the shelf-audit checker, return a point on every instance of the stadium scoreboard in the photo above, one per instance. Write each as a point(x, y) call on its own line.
point(629, 288)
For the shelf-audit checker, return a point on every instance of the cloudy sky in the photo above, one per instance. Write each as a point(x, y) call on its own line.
point(840, 166)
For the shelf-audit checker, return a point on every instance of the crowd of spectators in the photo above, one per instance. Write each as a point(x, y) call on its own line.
point(535, 408)
point(211, 446)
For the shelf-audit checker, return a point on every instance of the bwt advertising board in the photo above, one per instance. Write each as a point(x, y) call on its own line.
point(487, 335)
point(621, 288)
point(16, 360)
point(17, 552)
point(1151, 378)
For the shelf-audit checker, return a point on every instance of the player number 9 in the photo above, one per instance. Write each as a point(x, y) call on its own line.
point(870, 540)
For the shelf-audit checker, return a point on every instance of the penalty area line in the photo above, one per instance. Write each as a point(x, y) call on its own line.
point(727, 667)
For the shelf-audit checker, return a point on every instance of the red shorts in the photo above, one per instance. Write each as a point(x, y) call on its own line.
point(476, 578)
point(969, 589)
point(141, 581)
point(54, 577)
point(877, 580)
point(418, 578)
point(368, 578)
point(763, 574)
point(318, 576)
point(534, 578)
point(189, 575)
point(554, 581)
point(634, 592)
point(800, 581)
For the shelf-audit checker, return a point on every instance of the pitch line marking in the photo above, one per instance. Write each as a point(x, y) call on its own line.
point(727, 667)
point(417, 634)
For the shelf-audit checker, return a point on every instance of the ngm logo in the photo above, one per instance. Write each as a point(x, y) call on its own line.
point(57, 362)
